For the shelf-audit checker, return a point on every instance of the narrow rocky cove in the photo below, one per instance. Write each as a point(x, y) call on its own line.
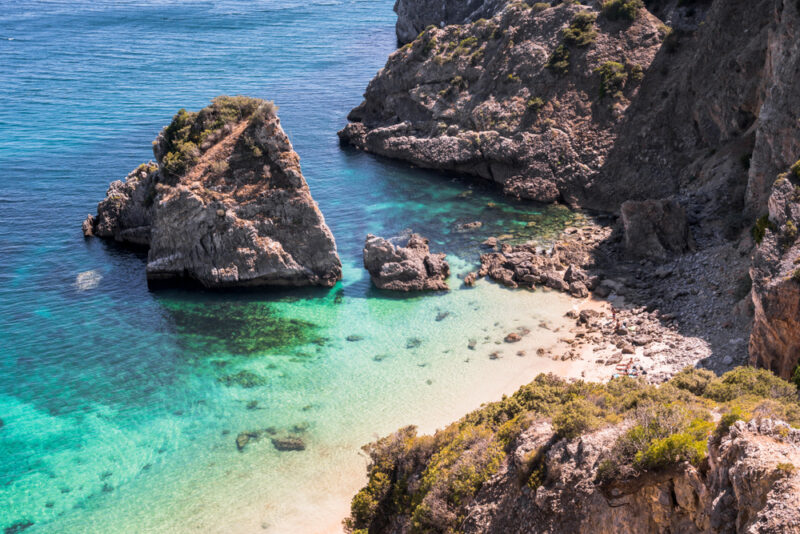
point(548, 280)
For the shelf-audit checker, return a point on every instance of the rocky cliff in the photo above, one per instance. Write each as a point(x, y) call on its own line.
point(224, 205)
point(531, 99)
point(775, 340)
point(413, 16)
point(599, 112)
point(596, 459)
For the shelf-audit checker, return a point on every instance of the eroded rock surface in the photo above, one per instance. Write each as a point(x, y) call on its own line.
point(405, 264)
point(225, 205)
point(531, 99)
point(775, 340)
point(655, 229)
point(413, 16)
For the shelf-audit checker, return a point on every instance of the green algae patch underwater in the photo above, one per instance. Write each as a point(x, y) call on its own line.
point(236, 328)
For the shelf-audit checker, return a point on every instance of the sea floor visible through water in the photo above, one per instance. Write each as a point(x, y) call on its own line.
point(120, 407)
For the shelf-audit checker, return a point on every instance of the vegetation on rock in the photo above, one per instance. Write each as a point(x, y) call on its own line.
point(427, 481)
point(622, 9)
point(192, 133)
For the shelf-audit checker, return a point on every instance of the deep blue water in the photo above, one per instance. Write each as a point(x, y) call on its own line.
point(102, 384)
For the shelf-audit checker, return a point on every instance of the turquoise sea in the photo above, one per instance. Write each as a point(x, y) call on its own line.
point(120, 407)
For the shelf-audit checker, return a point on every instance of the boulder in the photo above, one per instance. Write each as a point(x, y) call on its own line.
point(224, 205)
point(405, 263)
point(655, 229)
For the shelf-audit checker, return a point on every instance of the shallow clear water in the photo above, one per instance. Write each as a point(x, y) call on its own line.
point(119, 406)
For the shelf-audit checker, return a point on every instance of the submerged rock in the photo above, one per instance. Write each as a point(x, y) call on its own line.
point(289, 443)
point(405, 264)
point(225, 204)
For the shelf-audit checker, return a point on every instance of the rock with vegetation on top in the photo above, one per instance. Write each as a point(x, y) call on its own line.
point(587, 458)
point(532, 98)
point(225, 204)
point(405, 263)
point(775, 272)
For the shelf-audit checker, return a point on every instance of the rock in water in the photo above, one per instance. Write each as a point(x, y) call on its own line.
point(405, 264)
point(225, 205)
point(775, 271)
point(655, 228)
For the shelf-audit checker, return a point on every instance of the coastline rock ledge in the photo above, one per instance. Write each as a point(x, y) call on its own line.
point(225, 204)
point(405, 264)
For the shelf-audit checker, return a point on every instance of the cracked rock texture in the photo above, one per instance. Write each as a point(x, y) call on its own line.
point(413, 16)
point(481, 100)
point(226, 204)
point(405, 263)
point(775, 271)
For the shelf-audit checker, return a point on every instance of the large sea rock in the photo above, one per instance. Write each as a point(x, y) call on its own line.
point(224, 205)
point(405, 263)
point(511, 99)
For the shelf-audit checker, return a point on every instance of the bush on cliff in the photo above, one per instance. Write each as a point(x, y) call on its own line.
point(190, 133)
point(428, 481)
point(612, 79)
point(580, 31)
point(621, 9)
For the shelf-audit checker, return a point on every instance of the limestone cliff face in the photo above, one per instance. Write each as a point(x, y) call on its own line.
point(413, 16)
point(711, 113)
point(775, 340)
point(531, 99)
point(226, 205)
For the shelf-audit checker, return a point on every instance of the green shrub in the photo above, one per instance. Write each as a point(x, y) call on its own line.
point(760, 228)
point(689, 446)
point(188, 130)
point(540, 6)
point(735, 414)
point(796, 376)
point(612, 78)
point(621, 9)
point(786, 469)
point(693, 380)
point(535, 104)
point(559, 60)
point(795, 170)
point(575, 418)
point(580, 31)
point(750, 381)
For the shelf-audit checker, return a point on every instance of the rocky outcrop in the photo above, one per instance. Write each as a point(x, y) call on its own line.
point(562, 267)
point(749, 483)
point(741, 490)
point(413, 16)
point(531, 99)
point(699, 107)
point(405, 263)
point(655, 229)
point(775, 272)
point(226, 204)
